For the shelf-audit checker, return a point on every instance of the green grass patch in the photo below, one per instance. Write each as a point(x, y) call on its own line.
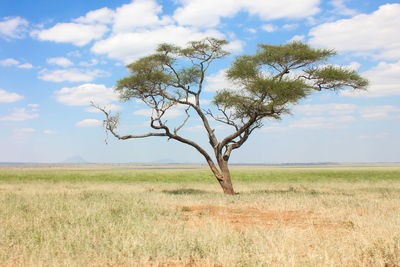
point(204, 175)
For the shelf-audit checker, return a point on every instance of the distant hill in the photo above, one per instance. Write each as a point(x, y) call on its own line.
point(76, 160)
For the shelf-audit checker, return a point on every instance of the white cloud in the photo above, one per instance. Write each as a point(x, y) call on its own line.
point(218, 81)
point(297, 38)
point(70, 75)
point(6, 97)
point(84, 94)
point(24, 130)
point(49, 132)
point(269, 27)
point(322, 122)
point(33, 105)
point(107, 107)
point(139, 13)
point(207, 13)
point(235, 46)
point(13, 62)
point(75, 33)
point(172, 112)
point(13, 27)
point(90, 63)
point(373, 34)
point(103, 16)
point(89, 123)
point(74, 53)
point(192, 99)
point(133, 45)
point(8, 62)
point(386, 112)
point(19, 114)
point(251, 30)
point(60, 61)
point(340, 8)
point(325, 109)
point(384, 81)
point(290, 27)
point(25, 66)
point(143, 112)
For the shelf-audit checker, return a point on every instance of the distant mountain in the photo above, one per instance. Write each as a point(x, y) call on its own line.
point(76, 160)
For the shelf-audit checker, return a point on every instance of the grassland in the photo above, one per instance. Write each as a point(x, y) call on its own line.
point(176, 217)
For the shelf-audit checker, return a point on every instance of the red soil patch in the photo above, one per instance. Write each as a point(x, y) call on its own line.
point(243, 217)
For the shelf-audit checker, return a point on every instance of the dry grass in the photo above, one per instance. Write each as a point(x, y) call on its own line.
point(169, 224)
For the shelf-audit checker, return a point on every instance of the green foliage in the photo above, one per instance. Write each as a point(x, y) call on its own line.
point(165, 73)
point(292, 55)
point(333, 77)
point(278, 76)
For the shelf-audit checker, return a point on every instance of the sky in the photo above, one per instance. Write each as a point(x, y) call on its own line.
point(58, 56)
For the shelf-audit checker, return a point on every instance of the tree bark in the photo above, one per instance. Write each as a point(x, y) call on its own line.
point(225, 180)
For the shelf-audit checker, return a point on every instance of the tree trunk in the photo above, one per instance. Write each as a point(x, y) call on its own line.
point(225, 180)
point(223, 175)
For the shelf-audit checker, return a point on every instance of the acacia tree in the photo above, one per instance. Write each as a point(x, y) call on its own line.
point(267, 84)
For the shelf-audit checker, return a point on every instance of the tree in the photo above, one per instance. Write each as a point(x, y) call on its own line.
point(267, 84)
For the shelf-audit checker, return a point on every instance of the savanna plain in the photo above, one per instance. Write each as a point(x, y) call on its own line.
point(129, 216)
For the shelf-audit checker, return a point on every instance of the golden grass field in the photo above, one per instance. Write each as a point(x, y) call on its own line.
point(349, 219)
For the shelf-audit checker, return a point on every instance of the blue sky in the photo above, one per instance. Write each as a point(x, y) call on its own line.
point(56, 57)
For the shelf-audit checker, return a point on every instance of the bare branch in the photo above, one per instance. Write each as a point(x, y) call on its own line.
point(184, 122)
point(110, 124)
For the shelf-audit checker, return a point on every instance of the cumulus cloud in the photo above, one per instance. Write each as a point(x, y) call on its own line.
point(19, 114)
point(49, 132)
point(107, 107)
point(60, 61)
point(319, 122)
point(340, 8)
point(335, 115)
point(172, 112)
point(70, 75)
point(25, 66)
point(89, 123)
point(13, 27)
point(218, 81)
point(386, 112)
point(269, 27)
point(384, 81)
point(9, 62)
point(102, 16)
point(33, 105)
point(373, 34)
point(139, 13)
point(290, 27)
point(90, 63)
point(341, 111)
point(7, 97)
point(132, 45)
point(75, 33)
point(207, 13)
point(297, 38)
point(84, 94)
point(322, 122)
point(325, 109)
